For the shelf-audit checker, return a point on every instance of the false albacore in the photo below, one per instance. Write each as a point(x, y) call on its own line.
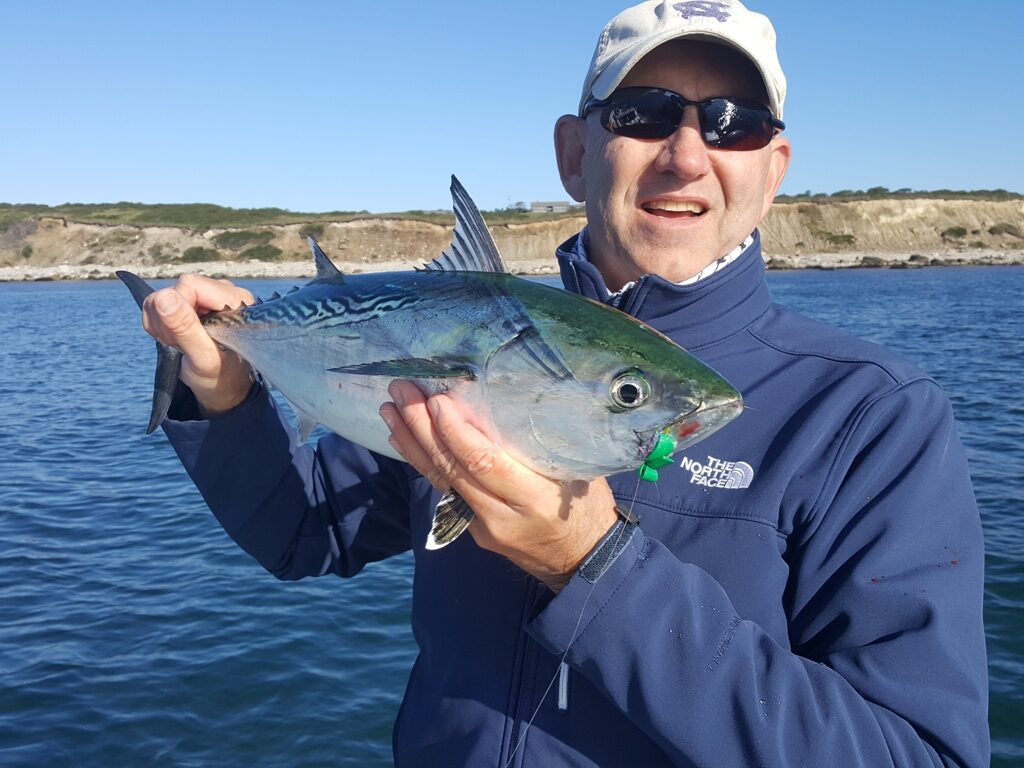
point(570, 387)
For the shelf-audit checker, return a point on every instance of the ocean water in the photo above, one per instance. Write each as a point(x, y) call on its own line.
point(134, 632)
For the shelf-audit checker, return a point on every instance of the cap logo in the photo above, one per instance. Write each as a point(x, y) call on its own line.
point(693, 8)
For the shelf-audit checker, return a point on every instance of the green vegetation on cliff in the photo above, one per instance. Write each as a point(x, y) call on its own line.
point(882, 193)
point(200, 217)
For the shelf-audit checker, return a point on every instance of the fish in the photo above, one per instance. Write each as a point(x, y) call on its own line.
point(568, 386)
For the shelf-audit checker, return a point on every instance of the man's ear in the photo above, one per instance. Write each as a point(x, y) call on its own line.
point(781, 152)
point(570, 144)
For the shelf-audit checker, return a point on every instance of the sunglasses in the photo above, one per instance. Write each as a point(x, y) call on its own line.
point(654, 113)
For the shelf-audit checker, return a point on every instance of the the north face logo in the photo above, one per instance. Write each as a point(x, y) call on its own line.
point(715, 473)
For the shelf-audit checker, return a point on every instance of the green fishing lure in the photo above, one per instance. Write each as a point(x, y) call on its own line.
point(659, 458)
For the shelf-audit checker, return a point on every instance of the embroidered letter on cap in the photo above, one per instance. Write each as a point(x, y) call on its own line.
point(693, 8)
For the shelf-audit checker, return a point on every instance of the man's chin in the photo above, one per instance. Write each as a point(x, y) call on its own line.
point(677, 265)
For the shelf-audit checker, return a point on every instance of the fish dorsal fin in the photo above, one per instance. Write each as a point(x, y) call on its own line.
point(325, 269)
point(472, 248)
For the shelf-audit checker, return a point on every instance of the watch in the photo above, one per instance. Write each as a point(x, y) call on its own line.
point(610, 547)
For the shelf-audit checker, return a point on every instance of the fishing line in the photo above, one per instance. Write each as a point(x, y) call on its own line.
point(572, 638)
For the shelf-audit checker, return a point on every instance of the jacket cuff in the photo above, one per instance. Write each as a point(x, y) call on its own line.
point(184, 424)
point(607, 551)
point(571, 611)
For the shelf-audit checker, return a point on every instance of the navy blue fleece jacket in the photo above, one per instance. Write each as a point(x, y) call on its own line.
point(804, 588)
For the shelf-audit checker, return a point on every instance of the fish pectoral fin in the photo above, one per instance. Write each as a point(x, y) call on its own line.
point(410, 368)
point(451, 517)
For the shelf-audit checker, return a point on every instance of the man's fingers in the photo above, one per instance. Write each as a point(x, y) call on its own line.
point(207, 294)
point(172, 315)
point(480, 463)
point(402, 440)
point(219, 380)
point(173, 320)
point(435, 437)
point(413, 435)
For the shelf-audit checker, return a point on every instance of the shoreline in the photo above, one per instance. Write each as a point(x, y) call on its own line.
point(256, 270)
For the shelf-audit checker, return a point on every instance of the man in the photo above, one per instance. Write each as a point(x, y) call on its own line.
point(791, 594)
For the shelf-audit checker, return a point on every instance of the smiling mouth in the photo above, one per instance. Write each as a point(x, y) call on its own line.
point(674, 209)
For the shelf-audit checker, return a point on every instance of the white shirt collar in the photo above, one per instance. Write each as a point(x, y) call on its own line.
point(708, 271)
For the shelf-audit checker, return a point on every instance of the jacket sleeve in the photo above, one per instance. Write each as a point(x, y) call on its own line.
point(884, 603)
point(297, 510)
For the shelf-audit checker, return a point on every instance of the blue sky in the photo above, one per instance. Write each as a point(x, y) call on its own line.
point(318, 106)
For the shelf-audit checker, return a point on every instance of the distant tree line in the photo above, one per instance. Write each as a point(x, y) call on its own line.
point(884, 193)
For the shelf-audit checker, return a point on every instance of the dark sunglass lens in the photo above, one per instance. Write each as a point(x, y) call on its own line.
point(642, 114)
point(729, 124)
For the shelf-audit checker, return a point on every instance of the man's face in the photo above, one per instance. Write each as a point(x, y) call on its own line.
point(670, 206)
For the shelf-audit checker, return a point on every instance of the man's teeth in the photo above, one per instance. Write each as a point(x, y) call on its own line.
point(674, 206)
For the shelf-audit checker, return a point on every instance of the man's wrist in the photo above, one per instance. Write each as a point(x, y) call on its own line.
point(608, 549)
point(601, 555)
point(214, 408)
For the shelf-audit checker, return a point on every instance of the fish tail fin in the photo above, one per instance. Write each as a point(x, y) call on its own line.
point(168, 359)
point(451, 517)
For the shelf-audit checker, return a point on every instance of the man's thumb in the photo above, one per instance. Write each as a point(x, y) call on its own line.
point(167, 302)
point(181, 324)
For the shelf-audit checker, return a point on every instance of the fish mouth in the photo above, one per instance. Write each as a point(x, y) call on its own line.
point(704, 420)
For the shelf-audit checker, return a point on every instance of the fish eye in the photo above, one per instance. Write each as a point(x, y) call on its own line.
point(630, 390)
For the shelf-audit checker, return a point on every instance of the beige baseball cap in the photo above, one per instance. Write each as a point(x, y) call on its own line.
point(639, 30)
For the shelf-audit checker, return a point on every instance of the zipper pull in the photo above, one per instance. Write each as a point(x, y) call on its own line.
point(563, 687)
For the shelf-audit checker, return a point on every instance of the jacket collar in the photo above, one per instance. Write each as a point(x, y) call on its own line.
point(696, 315)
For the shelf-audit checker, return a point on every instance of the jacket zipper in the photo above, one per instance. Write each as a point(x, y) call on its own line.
point(576, 278)
point(628, 299)
point(525, 675)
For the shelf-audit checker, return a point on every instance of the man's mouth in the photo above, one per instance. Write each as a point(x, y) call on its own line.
point(674, 209)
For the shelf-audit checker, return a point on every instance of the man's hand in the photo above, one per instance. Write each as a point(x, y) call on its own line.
point(219, 379)
point(544, 526)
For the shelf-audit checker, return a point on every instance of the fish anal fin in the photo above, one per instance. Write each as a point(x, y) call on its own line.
point(451, 517)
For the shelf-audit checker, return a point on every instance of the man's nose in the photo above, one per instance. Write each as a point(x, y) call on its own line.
point(684, 153)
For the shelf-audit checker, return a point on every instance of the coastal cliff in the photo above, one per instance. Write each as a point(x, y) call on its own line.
point(885, 232)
